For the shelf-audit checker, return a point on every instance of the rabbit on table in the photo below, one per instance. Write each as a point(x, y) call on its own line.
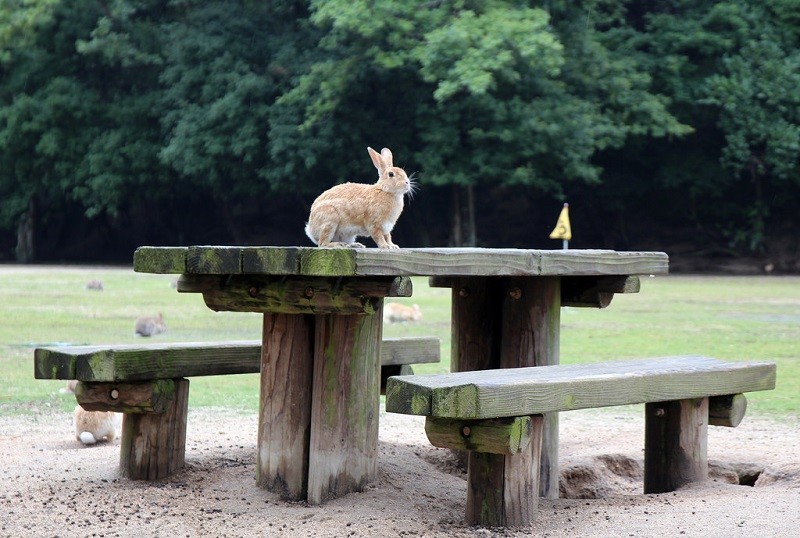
point(351, 210)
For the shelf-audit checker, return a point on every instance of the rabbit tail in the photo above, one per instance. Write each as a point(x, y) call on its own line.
point(87, 438)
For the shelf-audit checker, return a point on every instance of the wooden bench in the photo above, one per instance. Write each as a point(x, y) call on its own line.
point(497, 416)
point(147, 383)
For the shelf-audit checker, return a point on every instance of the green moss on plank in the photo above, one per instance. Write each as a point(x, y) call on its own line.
point(328, 262)
point(160, 260)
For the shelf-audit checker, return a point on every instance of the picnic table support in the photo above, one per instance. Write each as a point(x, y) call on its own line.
point(285, 406)
point(509, 323)
point(344, 418)
point(320, 392)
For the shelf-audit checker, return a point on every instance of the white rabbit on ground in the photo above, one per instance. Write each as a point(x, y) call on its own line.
point(351, 210)
point(94, 426)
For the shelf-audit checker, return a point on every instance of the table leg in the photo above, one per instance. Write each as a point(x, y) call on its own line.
point(343, 453)
point(285, 406)
point(506, 323)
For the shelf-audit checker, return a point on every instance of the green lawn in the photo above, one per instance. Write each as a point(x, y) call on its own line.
point(737, 318)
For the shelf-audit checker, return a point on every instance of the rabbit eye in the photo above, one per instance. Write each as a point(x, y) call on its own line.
point(391, 174)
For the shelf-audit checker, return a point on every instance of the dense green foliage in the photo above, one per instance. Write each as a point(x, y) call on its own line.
point(125, 109)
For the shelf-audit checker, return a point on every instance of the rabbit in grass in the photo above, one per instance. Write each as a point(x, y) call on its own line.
point(351, 210)
point(94, 426)
point(149, 325)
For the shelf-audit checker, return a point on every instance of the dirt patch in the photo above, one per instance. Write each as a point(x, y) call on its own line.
point(51, 485)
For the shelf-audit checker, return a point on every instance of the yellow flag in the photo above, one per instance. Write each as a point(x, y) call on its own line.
point(562, 230)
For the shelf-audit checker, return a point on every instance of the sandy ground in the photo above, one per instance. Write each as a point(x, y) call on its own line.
point(51, 485)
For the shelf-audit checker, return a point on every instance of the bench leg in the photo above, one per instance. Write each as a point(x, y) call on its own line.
point(675, 445)
point(503, 490)
point(153, 445)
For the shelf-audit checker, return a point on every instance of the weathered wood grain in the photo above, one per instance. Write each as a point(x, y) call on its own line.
point(175, 359)
point(343, 451)
point(152, 446)
point(727, 410)
point(509, 323)
point(495, 436)
point(295, 294)
point(503, 490)
point(142, 397)
point(309, 261)
point(271, 261)
point(530, 391)
point(594, 291)
point(675, 444)
point(214, 260)
point(531, 316)
point(160, 260)
point(285, 405)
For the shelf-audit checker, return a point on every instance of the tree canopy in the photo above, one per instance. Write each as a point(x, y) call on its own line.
point(109, 107)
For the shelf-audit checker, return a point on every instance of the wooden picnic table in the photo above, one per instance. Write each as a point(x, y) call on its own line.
point(319, 402)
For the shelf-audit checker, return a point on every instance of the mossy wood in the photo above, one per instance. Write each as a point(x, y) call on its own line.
point(529, 391)
point(510, 323)
point(172, 360)
point(153, 445)
point(313, 261)
point(343, 447)
point(144, 397)
point(577, 292)
point(294, 295)
point(496, 436)
point(503, 489)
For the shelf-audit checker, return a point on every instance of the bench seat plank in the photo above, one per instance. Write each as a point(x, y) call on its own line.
point(176, 360)
point(542, 389)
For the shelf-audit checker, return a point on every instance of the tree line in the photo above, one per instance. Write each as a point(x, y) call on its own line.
point(662, 122)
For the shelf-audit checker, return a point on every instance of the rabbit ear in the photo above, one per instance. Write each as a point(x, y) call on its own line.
point(386, 153)
point(377, 159)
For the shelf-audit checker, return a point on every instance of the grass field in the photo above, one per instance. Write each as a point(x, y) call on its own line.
point(737, 318)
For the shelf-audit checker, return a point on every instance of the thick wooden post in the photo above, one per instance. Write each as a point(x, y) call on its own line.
point(343, 453)
point(675, 444)
point(530, 337)
point(285, 404)
point(510, 323)
point(503, 490)
point(153, 445)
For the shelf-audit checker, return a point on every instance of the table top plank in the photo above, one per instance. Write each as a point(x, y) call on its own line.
point(313, 261)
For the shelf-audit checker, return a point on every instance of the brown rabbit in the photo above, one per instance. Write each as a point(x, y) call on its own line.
point(400, 313)
point(350, 210)
point(94, 426)
point(150, 325)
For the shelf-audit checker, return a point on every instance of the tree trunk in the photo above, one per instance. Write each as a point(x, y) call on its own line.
point(463, 232)
point(25, 251)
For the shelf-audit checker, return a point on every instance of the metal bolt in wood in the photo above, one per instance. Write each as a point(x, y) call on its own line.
point(463, 292)
point(114, 394)
point(253, 291)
